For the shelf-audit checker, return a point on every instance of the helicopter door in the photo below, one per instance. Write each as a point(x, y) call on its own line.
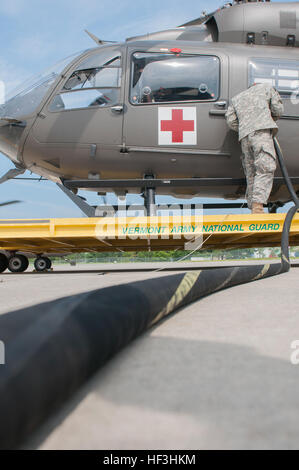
point(176, 108)
point(81, 124)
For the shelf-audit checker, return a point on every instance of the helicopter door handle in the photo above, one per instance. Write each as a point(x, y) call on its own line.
point(219, 109)
point(118, 108)
point(221, 104)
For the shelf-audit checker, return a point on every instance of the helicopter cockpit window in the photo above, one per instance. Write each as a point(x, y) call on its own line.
point(159, 78)
point(86, 99)
point(95, 82)
point(98, 77)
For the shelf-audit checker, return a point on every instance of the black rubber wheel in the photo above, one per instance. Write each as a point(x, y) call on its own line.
point(48, 261)
point(42, 263)
point(3, 262)
point(18, 263)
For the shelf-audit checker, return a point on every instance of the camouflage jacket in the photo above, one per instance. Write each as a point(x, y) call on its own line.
point(254, 109)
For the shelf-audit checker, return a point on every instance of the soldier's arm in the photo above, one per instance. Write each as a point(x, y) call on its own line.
point(276, 105)
point(232, 118)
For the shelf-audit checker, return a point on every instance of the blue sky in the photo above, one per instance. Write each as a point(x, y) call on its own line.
point(35, 34)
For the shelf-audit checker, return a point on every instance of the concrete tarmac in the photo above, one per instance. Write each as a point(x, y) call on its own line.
point(214, 375)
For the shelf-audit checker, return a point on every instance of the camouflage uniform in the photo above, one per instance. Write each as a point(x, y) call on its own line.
point(253, 114)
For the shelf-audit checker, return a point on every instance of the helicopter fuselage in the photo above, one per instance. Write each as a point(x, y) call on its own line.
point(153, 109)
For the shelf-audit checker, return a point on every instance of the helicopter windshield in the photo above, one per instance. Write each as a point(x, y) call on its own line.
point(23, 100)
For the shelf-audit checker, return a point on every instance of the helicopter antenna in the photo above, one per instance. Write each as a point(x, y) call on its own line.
point(96, 39)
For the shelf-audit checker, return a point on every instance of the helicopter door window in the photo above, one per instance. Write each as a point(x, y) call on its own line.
point(90, 86)
point(158, 78)
point(282, 74)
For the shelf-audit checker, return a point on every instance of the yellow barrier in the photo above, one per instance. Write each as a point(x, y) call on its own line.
point(143, 233)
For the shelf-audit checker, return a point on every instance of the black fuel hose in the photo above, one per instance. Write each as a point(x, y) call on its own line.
point(53, 348)
point(285, 173)
point(285, 257)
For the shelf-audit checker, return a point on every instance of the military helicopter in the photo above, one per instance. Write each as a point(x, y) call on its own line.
point(148, 115)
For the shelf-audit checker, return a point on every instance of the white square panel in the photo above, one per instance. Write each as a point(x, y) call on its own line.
point(177, 126)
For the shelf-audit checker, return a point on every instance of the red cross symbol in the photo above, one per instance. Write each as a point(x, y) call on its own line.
point(177, 125)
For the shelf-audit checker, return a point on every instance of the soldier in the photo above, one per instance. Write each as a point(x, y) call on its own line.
point(253, 114)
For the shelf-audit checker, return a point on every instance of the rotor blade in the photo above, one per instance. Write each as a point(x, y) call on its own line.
point(96, 39)
point(7, 203)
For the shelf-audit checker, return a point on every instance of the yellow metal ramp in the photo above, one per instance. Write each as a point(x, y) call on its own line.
point(143, 233)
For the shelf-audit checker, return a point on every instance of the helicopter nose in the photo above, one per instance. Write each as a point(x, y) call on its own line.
point(10, 136)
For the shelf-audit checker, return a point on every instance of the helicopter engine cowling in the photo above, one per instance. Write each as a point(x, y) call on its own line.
point(261, 23)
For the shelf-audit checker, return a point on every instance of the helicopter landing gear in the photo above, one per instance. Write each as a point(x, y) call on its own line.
point(3, 262)
point(88, 210)
point(42, 263)
point(149, 195)
point(149, 201)
point(18, 263)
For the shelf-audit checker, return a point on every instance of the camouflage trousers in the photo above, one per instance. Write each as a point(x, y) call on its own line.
point(259, 163)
